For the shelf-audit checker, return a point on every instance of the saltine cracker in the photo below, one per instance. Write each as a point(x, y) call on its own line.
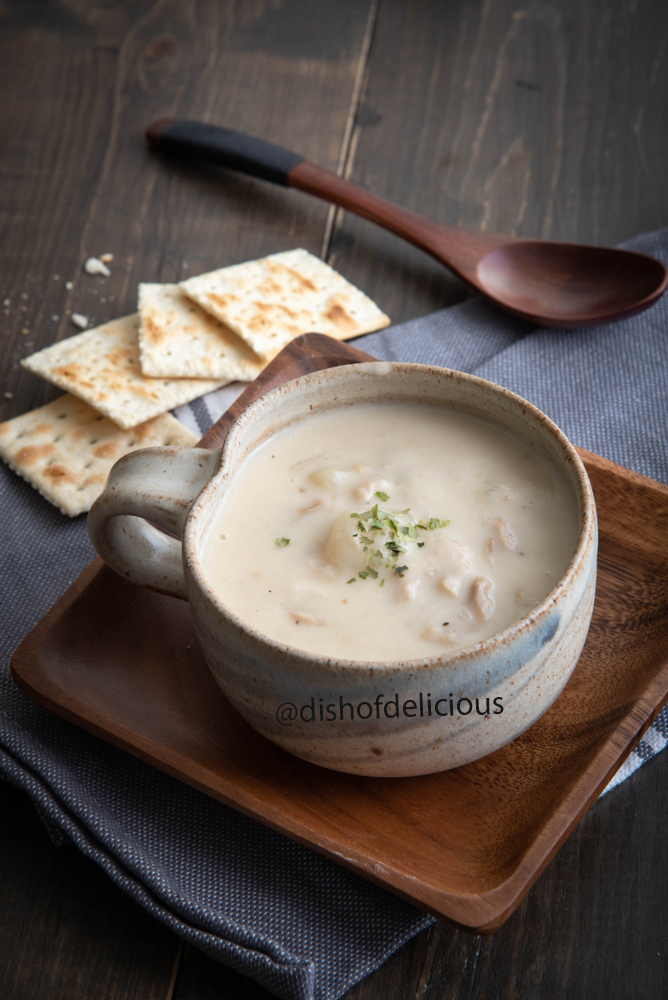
point(66, 449)
point(178, 339)
point(101, 366)
point(271, 301)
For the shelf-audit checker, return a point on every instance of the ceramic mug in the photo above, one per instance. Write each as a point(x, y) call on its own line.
point(277, 688)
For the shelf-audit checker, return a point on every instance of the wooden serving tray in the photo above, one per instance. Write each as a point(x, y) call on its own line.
point(465, 845)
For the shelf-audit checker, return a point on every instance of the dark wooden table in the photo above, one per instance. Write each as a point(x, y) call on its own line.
point(537, 118)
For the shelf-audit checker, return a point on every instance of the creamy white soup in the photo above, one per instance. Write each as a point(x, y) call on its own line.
point(390, 532)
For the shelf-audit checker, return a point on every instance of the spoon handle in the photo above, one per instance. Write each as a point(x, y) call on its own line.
point(436, 239)
point(224, 147)
point(257, 158)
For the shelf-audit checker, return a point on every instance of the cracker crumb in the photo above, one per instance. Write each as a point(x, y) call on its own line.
point(24, 295)
point(8, 395)
point(79, 320)
point(95, 266)
point(69, 286)
point(106, 258)
point(25, 331)
point(6, 302)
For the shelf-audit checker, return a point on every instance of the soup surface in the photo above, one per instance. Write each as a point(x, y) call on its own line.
point(390, 532)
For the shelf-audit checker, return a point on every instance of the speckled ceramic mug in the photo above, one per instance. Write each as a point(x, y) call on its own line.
point(279, 689)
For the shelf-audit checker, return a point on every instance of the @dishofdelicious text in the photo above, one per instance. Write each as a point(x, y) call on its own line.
point(382, 707)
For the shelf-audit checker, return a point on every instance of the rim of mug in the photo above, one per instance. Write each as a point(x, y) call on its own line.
point(198, 519)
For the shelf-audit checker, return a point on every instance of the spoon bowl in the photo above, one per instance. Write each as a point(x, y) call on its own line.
point(552, 284)
point(570, 285)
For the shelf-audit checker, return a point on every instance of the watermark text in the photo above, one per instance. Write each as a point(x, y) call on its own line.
point(420, 706)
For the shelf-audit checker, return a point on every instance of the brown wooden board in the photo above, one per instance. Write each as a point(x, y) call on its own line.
point(465, 845)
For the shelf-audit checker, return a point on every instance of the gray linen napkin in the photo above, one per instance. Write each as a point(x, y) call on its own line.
point(285, 916)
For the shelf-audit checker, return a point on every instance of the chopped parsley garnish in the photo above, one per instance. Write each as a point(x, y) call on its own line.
point(282, 542)
point(353, 579)
point(393, 531)
point(382, 496)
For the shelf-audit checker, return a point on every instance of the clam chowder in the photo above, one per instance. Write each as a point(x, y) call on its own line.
point(390, 531)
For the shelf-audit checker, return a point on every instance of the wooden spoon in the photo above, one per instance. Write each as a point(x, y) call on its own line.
point(548, 283)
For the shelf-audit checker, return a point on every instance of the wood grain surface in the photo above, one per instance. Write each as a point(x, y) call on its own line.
point(539, 119)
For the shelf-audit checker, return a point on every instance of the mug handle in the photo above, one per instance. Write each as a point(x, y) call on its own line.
point(153, 484)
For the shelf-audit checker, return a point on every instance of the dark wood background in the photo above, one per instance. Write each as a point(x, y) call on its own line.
point(536, 118)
